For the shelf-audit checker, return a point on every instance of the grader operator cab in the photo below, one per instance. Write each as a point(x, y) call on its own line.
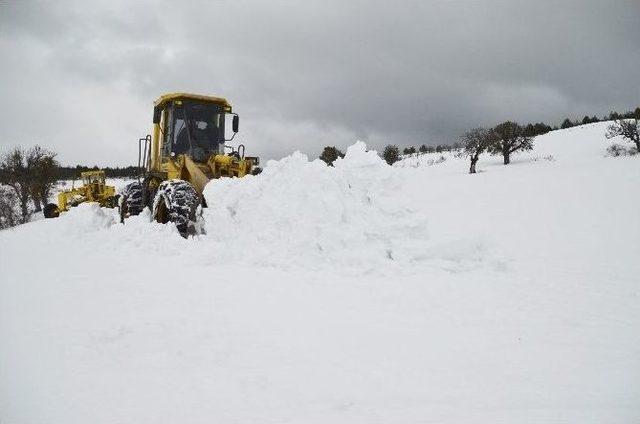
point(187, 149)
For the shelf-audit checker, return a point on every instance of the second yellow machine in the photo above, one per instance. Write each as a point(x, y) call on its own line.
point(187, 150)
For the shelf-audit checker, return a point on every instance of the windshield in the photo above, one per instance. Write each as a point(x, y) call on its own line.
point(198, 129)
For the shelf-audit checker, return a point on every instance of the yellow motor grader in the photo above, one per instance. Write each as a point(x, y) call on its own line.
point(93, 189)
point(187, 149)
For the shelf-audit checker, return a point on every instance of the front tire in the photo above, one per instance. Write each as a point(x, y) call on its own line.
point(131, 201)
point(176, 201)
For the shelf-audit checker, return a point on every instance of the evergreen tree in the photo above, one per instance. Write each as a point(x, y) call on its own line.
point(391, 154)
point(566, 123)
point(330, 154)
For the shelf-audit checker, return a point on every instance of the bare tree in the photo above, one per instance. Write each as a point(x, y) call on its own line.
point(30, 175)
point(475, 142)
point(45, 173)
point(9, 216)
point(15, 172)
point(627, 128)
point(510, 137)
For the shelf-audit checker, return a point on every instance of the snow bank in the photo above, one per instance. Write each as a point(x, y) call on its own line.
point(303, 211)
point(86, 217)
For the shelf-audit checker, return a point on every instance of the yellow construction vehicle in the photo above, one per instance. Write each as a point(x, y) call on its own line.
point(186, 151)
point(93, 189)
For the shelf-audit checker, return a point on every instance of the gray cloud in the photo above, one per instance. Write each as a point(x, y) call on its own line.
point(80, 77)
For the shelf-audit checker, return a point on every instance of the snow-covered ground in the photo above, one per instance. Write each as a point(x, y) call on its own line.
point(360, 293)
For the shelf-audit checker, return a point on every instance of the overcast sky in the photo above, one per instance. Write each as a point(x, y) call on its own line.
point(80, 77)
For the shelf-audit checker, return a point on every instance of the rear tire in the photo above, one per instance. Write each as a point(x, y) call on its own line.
point(176, 201)
point(131, 201)
point(51, 211)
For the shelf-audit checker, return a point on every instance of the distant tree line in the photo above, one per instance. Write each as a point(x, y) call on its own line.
point(510, 137)
point(611, 116)
point(504, 139)
point(392, 153)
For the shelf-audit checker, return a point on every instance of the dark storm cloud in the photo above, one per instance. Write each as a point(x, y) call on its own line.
point(81, 76)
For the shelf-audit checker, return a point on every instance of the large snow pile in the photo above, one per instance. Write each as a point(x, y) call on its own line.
point(85, 218)
point(297, 211)
point(358, 293)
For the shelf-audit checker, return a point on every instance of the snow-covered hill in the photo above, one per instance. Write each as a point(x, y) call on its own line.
point(359, 293)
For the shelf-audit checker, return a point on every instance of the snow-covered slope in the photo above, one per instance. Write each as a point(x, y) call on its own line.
point(359, 293)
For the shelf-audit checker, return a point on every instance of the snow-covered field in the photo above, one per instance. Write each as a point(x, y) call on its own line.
point(360, 293)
